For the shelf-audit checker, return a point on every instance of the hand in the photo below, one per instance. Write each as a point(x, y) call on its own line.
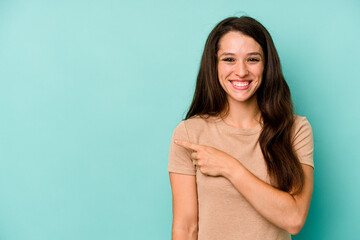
point(210, 161)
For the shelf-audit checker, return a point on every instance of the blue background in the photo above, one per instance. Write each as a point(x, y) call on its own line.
point(90, 92)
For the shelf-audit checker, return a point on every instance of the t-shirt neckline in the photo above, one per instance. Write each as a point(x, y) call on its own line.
point(234, 130)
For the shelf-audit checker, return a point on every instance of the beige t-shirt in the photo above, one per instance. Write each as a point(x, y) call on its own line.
point(224, 214)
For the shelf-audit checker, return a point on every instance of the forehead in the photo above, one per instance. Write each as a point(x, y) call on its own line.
point(237, 42)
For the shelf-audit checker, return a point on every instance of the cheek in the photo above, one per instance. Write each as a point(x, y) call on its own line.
point(223, 71)
point(259, 73)
point(220, 73)
point(259, 77)
point(221, 77)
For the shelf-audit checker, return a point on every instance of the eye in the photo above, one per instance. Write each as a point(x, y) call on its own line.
point(228, 59)
point(254, 60)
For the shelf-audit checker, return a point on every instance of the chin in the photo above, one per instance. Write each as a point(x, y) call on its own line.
point(243, 99)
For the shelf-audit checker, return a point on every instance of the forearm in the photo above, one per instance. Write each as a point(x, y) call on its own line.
point(184, 234)
point(276, 206)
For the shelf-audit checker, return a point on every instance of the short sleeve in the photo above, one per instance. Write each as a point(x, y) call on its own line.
point(303, 141)
point(180, 157)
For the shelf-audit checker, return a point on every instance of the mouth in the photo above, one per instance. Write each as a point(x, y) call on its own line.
point(241, 84)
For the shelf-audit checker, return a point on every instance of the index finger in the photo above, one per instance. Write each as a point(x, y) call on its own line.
point(187, 145)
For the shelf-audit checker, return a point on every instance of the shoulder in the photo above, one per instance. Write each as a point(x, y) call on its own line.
point(303, 142)
point(194, 124)
point(301, 125)
point(198, 121)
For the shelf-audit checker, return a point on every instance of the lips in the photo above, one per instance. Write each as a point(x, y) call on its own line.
point(240, 84)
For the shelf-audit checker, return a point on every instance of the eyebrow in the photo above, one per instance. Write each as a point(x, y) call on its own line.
point(233, 54)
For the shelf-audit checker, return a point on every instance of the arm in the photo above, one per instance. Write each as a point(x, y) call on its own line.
point(287, 211)
point(283, 209)
point(185, 214)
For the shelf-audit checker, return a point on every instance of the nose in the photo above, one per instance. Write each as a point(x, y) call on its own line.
point(241, 69)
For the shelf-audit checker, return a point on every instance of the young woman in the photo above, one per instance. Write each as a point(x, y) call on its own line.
point(241, 163)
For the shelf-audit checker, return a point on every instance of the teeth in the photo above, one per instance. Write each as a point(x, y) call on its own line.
point(240, 84)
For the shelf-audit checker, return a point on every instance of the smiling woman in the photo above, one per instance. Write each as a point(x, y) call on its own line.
point(240, 66)
point(240, 163)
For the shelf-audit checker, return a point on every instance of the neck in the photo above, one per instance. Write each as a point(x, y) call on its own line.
point(243, 114)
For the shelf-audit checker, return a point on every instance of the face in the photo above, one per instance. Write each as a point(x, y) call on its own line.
point(240, 66)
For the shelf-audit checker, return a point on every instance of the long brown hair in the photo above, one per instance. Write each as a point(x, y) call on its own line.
point(273, 98)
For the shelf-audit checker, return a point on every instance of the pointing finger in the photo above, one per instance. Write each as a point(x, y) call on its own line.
point(187, 145)
point(194, 155)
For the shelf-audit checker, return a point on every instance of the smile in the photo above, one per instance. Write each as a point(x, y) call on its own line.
point(241, 85)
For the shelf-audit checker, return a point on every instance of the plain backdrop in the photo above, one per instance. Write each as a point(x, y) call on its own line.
point(91, 91)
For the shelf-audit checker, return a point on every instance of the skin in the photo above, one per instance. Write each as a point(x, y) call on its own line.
point(185, 209)
point(239, 57)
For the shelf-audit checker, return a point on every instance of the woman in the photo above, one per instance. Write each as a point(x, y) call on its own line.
point(241, 163)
